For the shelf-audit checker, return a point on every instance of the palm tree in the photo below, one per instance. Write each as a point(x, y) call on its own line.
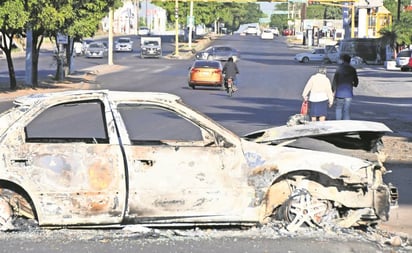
point(390, 37)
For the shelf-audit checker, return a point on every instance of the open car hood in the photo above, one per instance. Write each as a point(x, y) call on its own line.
point(346, 134)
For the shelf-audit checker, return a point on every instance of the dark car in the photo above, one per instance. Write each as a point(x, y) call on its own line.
point(96, 50)
point(220, 53)
point(205, 73)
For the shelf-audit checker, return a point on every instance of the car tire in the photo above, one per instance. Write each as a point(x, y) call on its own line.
point(305, 60)
point(192, 86)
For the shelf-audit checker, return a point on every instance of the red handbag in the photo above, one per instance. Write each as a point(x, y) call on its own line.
point(304, 108)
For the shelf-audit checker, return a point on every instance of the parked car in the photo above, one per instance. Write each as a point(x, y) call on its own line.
point(287, 32)
point(123, 44)
point(143, 31)
point(403, 59)
point(220, 53)
point(275, 31)
point(317, 54)
point(407, 67)
point(332, 54)
point(96, 50)
point(148, 158)
point(205, 73)
point(77, 48)
point(267, 34)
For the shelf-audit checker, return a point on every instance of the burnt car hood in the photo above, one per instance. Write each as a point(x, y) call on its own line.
point(346, 134)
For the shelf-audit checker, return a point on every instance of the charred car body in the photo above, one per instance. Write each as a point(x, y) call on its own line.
point(116, 162)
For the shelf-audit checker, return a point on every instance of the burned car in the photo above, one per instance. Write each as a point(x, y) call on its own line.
point(97, 158)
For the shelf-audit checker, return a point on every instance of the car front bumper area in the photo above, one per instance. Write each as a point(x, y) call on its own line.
point(151, 52)
point(385, 198)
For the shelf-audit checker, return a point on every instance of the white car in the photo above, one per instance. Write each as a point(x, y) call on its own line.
point(123, 44)
point(275, 31)
point(317, 54)
point(144, 31)
point(267, 34)
point(252, 30)
point(77, 48)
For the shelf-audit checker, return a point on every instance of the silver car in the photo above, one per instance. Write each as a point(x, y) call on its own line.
point(96, 50)
point(403, 57)
point(96, 158)
point(218, 53)
point(317, 54)
point(123, 44)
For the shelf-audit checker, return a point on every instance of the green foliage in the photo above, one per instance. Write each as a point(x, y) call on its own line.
point(399, 33)
point(13, 17)
point(403, 30)
point(232, 14)
point(280, 20)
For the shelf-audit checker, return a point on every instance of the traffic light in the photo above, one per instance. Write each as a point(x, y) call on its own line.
point(176, 12)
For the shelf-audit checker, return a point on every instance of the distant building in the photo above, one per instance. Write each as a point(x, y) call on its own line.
point(125, 19)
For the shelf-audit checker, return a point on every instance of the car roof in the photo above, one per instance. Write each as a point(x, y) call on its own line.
point(405, 53)
point(207, 63)
point(32, 99)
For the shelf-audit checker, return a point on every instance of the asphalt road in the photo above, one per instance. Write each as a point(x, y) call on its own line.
point(269, 92)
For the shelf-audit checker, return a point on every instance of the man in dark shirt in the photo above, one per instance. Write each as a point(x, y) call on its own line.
point(344, 80)
point(230, 70)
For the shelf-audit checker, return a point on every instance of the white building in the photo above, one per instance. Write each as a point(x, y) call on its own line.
point(125, 18)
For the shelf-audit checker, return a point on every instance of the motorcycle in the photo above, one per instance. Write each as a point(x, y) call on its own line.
point(230, 86)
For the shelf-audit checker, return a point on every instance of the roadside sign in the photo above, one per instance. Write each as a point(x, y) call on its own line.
point(62, 39)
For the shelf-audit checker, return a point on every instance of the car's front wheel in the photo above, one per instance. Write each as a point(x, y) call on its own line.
point(303, 210)
point(305, 60)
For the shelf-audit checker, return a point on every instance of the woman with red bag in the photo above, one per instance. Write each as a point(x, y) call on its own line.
point(318, 91)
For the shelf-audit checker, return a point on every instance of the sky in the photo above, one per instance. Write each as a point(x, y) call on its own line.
point(267, 7)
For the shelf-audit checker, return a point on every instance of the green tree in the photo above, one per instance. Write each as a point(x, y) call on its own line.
point(279, 20)
point(13, 18)
point(231, 14)
point(399, 34)
point(49, 17)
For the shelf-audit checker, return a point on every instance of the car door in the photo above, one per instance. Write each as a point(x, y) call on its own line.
point(319, 55)
point(177, 170)
point(76, 175)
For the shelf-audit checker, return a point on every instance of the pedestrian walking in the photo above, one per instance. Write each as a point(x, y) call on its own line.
point(344, 80)
point(318, 91)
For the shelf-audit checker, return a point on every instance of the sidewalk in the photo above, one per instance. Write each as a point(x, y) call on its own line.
point(85, 78)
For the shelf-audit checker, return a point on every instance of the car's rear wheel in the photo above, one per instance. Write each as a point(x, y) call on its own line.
point(305, 60)
point(191, 85)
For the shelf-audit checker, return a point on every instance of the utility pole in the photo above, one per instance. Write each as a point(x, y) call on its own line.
point(177, 28)
point(110, 49)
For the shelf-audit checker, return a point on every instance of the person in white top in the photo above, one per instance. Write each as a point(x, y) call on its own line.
point(318, 91)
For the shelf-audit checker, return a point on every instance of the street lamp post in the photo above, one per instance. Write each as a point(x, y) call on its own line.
point(177, 28)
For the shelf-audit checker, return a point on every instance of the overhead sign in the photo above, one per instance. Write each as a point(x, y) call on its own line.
point(62, 39)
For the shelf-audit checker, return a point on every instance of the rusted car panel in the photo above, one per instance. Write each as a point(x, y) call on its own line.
point(350, 134)
point(102, 158)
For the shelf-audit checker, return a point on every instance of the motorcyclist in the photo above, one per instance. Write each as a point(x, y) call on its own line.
point(230, 70)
